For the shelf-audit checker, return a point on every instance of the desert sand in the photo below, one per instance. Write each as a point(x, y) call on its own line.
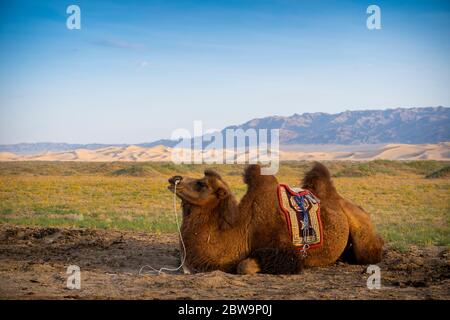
point(440, 151)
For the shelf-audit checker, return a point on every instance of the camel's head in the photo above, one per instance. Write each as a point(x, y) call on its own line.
point(207, 191)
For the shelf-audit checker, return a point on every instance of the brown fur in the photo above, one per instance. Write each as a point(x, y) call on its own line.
point(362, 244)
point(220, 235)
point(248, 266)
point(251, 236)
point(210, 224)
point(268, 221)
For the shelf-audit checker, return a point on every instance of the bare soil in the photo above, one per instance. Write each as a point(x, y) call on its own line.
point(34, 261)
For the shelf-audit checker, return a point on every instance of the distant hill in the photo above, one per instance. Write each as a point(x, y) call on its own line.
point(35, 148)
point(412, 126)
point(401, 125)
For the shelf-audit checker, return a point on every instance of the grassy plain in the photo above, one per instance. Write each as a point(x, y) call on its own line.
point(409, 200)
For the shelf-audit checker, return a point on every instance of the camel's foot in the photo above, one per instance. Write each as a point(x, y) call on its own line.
point(278, 260)
point(186, 270)
point(248, 266)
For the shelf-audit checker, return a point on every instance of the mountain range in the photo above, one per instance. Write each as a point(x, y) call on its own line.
point(411, 126)
point(402, 126)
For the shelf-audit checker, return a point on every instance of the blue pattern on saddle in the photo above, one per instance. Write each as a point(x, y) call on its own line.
point(307, 230)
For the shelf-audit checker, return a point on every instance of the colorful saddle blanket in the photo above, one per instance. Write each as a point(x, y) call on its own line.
point(301, 209)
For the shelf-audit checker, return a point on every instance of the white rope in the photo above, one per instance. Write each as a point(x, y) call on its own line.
point(161, 270)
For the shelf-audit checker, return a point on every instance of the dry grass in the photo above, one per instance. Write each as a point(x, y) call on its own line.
point(406, 207)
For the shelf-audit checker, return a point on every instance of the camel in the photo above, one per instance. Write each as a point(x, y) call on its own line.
point(251, 236)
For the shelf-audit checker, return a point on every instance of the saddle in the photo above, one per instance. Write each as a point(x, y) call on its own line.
point(301, 209)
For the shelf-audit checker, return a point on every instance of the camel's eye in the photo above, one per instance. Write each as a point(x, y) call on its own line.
point(201, 185)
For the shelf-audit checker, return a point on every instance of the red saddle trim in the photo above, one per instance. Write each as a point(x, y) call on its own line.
point(288, 217)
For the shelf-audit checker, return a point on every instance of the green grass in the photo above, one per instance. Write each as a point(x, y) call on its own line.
point(406, 207)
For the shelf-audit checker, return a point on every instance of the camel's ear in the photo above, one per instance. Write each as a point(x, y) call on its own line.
point(227, 210)
point(222, 193)
point(212, 173)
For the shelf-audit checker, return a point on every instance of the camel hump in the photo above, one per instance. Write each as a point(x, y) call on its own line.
point(252, 172)
point(318, 180)
point(254, 178)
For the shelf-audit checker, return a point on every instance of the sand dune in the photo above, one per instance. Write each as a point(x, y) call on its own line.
point(440, 151)
point(7, 156)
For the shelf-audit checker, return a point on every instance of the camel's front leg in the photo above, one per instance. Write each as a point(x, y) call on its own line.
point(248, 266)
point(272, 261)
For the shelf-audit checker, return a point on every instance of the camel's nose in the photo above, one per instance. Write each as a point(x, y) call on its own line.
point(175, 179)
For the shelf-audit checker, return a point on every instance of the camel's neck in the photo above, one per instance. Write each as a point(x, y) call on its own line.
point(221, 226)
point(215, 238)
point(221, 218)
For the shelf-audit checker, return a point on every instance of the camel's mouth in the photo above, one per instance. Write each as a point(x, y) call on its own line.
point(186, 200)
point(179, 191)
point(171, 187)
point(174, 182)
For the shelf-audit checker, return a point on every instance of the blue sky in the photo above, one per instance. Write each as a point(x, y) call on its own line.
point(137, 70)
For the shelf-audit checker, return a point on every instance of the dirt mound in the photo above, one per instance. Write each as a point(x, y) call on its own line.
point(34, 261)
